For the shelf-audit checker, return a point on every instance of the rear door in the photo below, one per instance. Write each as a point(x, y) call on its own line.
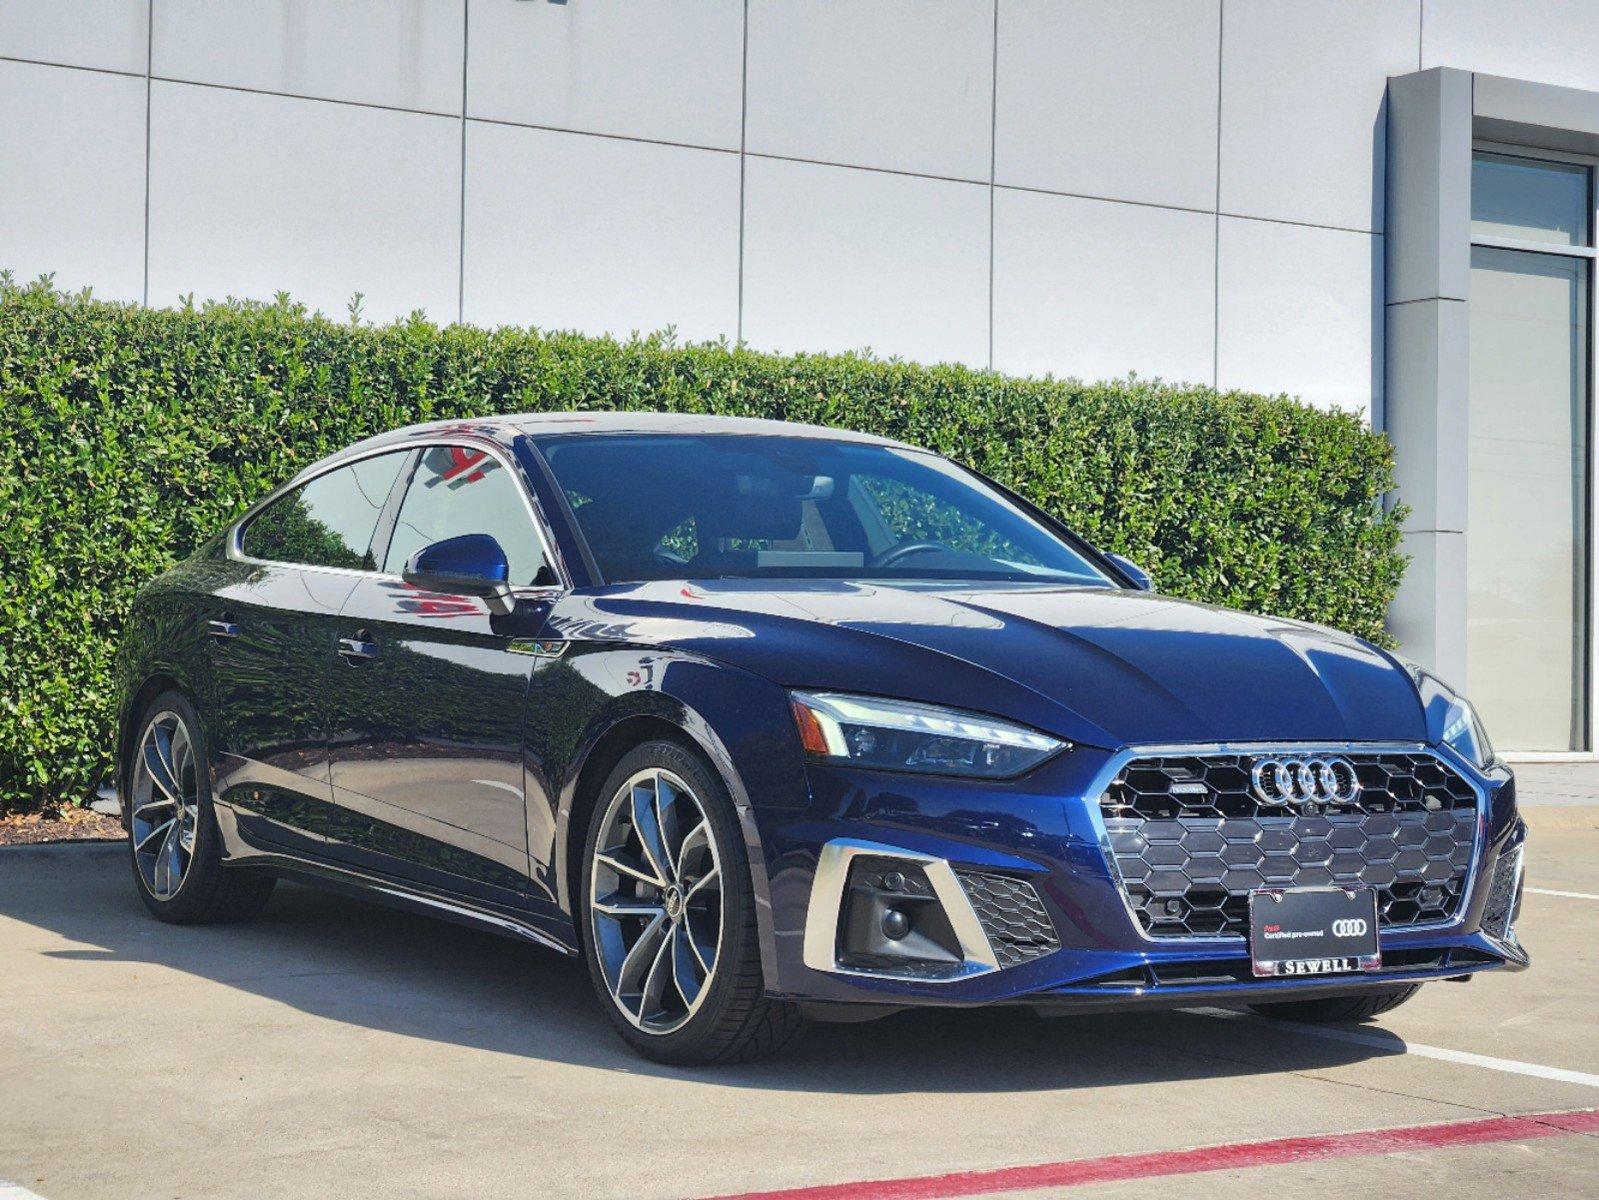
point(426, 719)
point(272, 633)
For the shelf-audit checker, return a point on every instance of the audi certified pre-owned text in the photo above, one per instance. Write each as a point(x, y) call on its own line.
point(770, 722)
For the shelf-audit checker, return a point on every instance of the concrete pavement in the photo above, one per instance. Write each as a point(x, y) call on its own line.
point(1558, 783)
point(337, 1048)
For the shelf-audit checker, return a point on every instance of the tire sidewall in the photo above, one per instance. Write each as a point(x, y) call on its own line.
point(206, 858)
point(737, 898)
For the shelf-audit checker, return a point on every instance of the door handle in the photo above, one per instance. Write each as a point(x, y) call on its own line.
point(222, 630)
point(357, 649)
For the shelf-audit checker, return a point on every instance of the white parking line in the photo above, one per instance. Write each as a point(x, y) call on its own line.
point(1392, 1042)
point(15, 1191)
point(1568, 895)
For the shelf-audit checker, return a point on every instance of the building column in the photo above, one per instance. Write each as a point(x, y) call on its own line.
point(1427, 349)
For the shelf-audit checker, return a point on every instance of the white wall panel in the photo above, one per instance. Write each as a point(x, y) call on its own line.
point(1303, 91)
point(901, 84)
point(570, 231)
point(1545, 41)
point(1095, 289)
point(633, 68)
point(1299, 311)
point(1114, 100)
point(251, 194)
point(843, 259)
point(109, 34)
point(402, 53)
point(72, 178)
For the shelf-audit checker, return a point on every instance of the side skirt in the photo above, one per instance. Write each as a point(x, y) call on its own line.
point(408, 897)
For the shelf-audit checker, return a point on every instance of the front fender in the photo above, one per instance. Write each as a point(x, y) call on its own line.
point(738, 720)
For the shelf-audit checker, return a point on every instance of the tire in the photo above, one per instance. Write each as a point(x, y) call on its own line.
point(205, 891)
point(640, 938)
point(1338, 1008)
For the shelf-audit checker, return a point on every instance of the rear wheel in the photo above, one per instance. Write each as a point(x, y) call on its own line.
point(1338, 1008)
point(172, 828)
point(669, 916)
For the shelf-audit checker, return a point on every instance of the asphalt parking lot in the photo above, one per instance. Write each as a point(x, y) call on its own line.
point(335, 1048)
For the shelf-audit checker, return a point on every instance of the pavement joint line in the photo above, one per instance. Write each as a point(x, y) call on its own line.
point(1396, 1044)
point(1568, 895)
point(1317, 1075)
point(1288, 1151)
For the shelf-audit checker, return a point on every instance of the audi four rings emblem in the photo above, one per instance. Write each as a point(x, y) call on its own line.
point(1319, 779)
point(1350, 927)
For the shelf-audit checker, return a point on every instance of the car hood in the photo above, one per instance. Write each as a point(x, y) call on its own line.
point(1100, 666)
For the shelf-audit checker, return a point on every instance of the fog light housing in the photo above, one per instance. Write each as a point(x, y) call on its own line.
point(888, 912)
point(892, 918)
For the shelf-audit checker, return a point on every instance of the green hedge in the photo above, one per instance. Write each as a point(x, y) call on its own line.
point(129, 434)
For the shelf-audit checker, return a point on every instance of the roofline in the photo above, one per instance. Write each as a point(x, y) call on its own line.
point(506, 428)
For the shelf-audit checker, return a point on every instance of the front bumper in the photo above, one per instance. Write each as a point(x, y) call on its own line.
point(1047, 831)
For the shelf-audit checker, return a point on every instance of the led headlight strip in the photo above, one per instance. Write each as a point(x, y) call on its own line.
point(901, 735)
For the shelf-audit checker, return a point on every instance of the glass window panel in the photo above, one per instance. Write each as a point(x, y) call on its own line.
point(328, 522)
point(1526, 558)
point(1529, 199)
point(726, 506)
point(458, 490)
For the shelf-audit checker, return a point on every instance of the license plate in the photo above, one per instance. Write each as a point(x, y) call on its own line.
point(1313, 931)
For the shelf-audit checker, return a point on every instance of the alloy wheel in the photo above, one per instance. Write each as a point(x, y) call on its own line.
point(165, 797)
point(655, 901)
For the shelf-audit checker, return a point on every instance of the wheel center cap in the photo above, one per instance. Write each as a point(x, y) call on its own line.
point(674, 902)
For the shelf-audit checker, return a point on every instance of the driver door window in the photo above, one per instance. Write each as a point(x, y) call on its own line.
point(458, 490)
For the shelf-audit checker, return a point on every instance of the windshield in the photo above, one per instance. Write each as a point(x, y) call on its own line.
point(726, 506)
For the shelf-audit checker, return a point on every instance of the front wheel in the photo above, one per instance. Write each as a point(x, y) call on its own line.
point(172, 828)
point(1338, 1008)
point(669, 916)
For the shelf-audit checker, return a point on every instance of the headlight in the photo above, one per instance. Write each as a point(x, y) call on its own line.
point(897, 735)
point(1450, 717)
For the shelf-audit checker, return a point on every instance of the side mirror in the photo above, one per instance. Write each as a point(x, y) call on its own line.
point(473, 564)
point(1133, 571)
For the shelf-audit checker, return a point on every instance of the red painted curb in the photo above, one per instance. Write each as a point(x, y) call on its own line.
point(1209, 1158)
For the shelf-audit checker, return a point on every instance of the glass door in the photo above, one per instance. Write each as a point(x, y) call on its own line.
point(1528, 516)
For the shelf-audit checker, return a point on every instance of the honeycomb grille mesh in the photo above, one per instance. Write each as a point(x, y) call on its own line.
point(1499, 913)
point(1190, 840)
point(1013, 917)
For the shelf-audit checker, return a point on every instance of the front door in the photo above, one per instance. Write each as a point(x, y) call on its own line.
point(427, 704)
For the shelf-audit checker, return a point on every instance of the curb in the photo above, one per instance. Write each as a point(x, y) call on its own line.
point(40, 849)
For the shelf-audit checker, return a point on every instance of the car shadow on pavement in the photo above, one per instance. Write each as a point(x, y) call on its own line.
point(347, 960)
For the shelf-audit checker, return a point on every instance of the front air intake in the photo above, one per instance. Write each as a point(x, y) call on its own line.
point(1504, 898)
point(1012, 916)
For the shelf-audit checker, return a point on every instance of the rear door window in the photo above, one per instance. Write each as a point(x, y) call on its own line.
point(328, 522)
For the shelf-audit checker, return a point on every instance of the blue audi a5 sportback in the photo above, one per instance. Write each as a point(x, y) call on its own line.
point(771, 721)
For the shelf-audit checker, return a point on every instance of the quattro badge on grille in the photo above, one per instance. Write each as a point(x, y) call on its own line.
point(1301, 781)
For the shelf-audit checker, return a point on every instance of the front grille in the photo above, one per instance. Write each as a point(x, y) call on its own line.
point(1190, 840)
point(1013, 917)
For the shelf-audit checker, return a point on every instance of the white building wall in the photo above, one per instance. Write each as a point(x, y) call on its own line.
point(1190, 189)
